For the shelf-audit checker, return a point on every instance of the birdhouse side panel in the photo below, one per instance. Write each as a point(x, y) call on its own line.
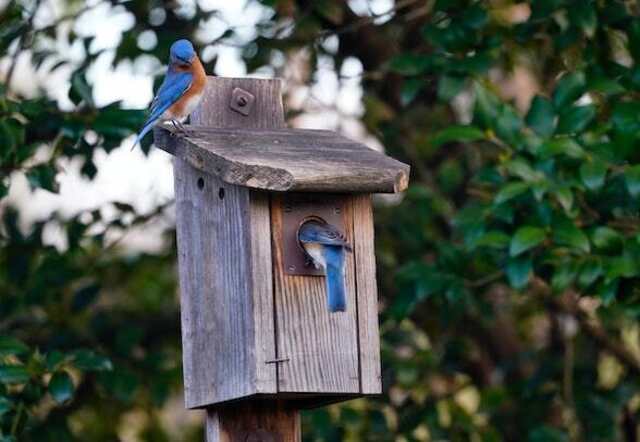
point(317, 350)
point(365, 261)
point(216, 263)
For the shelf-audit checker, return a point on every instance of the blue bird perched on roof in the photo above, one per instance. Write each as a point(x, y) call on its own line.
point(181, 90)
point(327, 247)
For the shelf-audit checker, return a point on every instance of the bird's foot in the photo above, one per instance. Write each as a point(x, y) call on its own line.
point(180, 129)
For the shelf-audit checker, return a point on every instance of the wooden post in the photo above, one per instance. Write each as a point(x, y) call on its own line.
point(231, 258)
point(255, 421)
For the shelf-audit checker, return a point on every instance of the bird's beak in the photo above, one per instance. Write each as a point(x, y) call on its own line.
point(185, 61)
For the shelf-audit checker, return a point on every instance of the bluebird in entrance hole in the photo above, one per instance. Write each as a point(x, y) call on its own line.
point(327, 247)
point(181, 90)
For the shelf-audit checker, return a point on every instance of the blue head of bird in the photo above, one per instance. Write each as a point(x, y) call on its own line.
point(182, 52)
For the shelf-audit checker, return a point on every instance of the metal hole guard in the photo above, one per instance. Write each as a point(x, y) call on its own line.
point(297, 209)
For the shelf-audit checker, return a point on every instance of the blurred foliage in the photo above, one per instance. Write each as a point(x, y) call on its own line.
point(508, 273)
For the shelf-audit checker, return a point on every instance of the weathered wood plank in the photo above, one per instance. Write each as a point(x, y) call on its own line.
point(253, 421)
point(319, 349)
point(215, 111)
point(287, 159)
point(217, 302)
point(369, 334)
point(262, 292)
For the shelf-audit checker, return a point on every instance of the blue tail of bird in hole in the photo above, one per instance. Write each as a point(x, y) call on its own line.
point(336, 296)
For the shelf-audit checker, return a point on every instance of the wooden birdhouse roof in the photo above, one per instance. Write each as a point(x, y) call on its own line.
point(286, 159)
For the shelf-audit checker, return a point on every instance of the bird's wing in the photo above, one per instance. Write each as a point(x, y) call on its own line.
point(173, 87)
point(320, 233)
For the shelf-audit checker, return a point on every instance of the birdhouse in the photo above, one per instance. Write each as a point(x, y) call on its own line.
point(255, 322)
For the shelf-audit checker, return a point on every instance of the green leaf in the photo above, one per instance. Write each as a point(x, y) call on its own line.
point(584, 15)
point(526, 238)
point(593, 174)
point(80, 89)
point(410, 89)
point(5, 405)
point(53, 359)
point(606, 238)
point(457, 133)
point(607, 291)
point(510, 191)
point(4, 188)
point(12, 346)
point(561, 146)
point(522, 169)
point(475, 17)
point(13, 374)
point(90, 361)
point(605, 86)
point(487, 105)
point(508, 124)
point(61, 387)
point(541, 116)
point(570, 87)
point(539, 189)
point(495, 239)
point(565, 198)
point(563, 275)
point(518, 271)
point(632, 180)
point(450, 86)
point(575, 119)
point(43, 176)
point(410, 64)
point(622, 266)
point(591, 270)
point(120, 383)
point(544, 433)
point(567, 234)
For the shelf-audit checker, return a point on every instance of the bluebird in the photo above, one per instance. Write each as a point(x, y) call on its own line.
point(327, 247)
point(181, 90)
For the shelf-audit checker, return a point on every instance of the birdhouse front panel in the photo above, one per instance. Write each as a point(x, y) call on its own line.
point(318, 349)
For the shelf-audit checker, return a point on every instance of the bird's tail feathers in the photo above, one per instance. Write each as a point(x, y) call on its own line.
point(336, 291)
point(142, 133)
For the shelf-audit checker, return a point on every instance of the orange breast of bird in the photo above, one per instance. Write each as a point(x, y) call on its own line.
point(190, 99)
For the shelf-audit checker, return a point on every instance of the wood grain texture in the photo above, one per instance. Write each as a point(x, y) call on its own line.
point(257, 421)
point(369, 333)
point(320, 348)
point(287, 159)
point(214, 110)
point(224, 289)
point(262, 293)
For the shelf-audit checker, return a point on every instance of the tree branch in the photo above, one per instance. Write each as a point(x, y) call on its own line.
point(590, 325)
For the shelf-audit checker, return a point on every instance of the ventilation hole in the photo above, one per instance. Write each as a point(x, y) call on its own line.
point(221, 193)
point(200, 183)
